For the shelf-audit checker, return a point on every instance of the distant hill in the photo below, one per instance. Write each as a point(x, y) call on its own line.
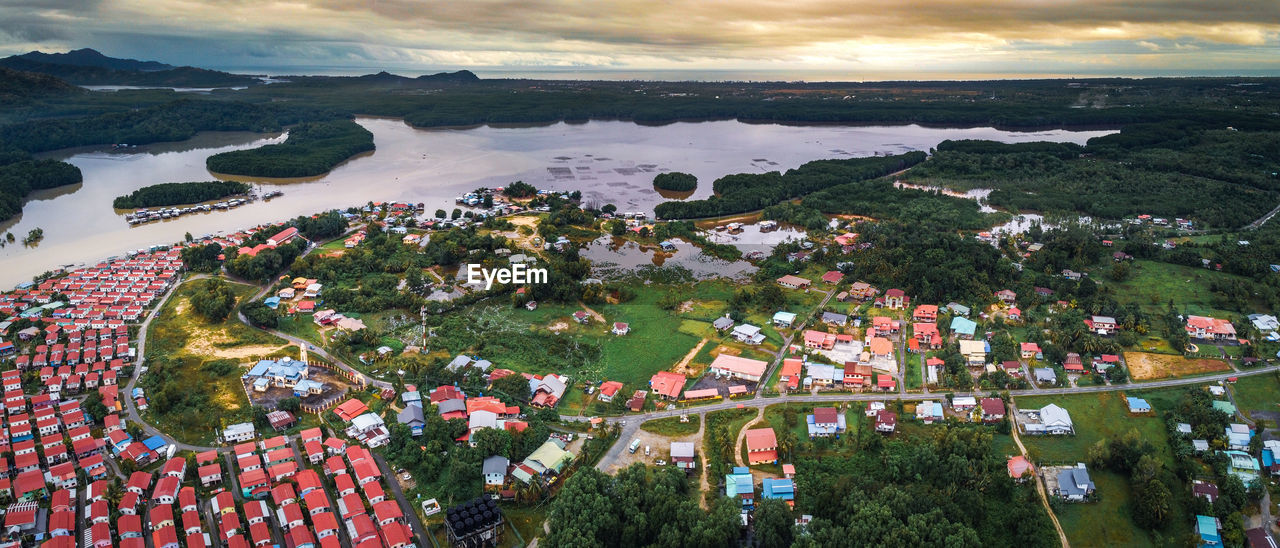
point(386, 79)
point(87, 57)
point(86, 67)
point(16, 86)
point(460, 76)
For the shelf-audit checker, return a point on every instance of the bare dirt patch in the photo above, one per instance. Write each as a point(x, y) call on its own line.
point(685, 307)
point(206, 342)
point(1146, 366)
point(558, 327)
point(683, 367)
point(659, 448)
point(521, 239)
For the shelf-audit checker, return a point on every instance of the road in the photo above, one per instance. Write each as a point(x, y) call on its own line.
point(633, 420)
point(126, 395)
point(1262, 220)
point(1044, 497)
point(406, 507)
point(786, 344)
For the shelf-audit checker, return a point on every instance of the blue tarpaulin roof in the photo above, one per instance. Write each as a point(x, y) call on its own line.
point(154, 443)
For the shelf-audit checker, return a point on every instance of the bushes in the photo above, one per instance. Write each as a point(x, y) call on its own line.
point(311, 149)
point(518, 189)
point(260, 315)
point(677, 181)
point(168, 194)
point(214, 301)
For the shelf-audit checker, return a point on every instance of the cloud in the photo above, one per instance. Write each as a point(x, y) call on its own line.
point(659, 34)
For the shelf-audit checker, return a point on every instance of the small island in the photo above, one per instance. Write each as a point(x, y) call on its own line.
point(312, 149)
point(675, 181)
point(171, 194)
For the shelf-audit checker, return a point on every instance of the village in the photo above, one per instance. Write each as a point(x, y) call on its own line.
point(339, 396)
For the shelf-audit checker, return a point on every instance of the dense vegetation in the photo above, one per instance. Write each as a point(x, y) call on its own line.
point(214, 300)
point(749, 191)
point(1216, 176)
point(20, 174)
point(311, 149)
point(676, 181)
point(638, 507)
point(943, 488)
point(880, 199)
point(169, 121)
point(169, 194)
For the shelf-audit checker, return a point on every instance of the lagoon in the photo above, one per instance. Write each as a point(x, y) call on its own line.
point(609, 161)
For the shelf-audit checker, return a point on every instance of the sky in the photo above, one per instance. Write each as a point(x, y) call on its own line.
point(853, 38)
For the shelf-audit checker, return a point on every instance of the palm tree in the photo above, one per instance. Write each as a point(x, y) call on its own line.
point(788, 443)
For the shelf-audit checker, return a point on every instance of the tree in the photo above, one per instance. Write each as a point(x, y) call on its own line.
point(1120, 271)
point(514, 386)
point(456, 214)
point(260, 315)
point(291, 405)
point(94, 407)
point(188, 237)
point(1154, 503)
point(774, 525)
point(675, 181)
point(787, 443)
point(441, 214)
point(214, 300)
point(609, 208)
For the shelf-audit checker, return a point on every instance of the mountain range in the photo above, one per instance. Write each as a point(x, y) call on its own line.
point(88, 67)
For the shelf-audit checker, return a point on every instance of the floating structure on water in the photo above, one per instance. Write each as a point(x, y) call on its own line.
point(144, 216)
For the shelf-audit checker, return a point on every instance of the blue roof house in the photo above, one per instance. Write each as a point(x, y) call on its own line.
point(779, 488)
point(1207, 528)
point(155, 443)
point(1138, 405)
point(963, 326)
point(740, 485)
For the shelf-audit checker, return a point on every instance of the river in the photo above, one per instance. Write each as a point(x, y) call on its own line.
point(610, 161)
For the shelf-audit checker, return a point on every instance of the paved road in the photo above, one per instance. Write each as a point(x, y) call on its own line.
point(410, 513)
point(368, 380)
point(782, 352)
point(130, 410)
point(633, 420)
point(1262, 220)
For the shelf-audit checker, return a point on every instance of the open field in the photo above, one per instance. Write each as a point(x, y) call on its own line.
point(1257, 393)
point(671, 426)
point(1153, 284)
point(1145, 366)
point(1096, 416)
point(195, 365)
point(1106, 522)
point(1099, 416)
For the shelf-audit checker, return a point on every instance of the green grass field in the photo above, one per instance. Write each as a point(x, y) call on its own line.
point(671, 426)
point(1257, 393)
point(1098, 416)
point(301, 326)
point(1106, 522)
point(913, 378)
point(1153, 284)
point(206, 357)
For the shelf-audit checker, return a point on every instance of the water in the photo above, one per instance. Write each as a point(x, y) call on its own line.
point(610, 256)
point(610, 162)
